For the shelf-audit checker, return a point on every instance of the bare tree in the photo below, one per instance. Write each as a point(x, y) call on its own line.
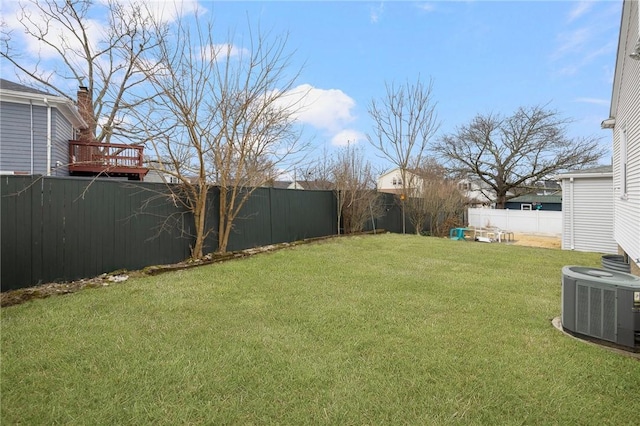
point(320, 172)
point(507, 152)
point(222, 117)
point(405, 120)
point(358, 201)
point(103, 59)
point(433, 197)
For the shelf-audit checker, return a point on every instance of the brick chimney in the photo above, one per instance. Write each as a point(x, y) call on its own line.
point(85, 108)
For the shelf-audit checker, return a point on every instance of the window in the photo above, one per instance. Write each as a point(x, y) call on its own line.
point(623, 163)
point(526, 207)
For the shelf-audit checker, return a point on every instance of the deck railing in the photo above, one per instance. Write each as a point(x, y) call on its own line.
point(105, 155)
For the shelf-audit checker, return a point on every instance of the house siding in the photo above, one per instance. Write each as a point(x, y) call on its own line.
point(16, 130)
point(587, 215)
point(62, 131)
point(385, 181)
point(627, 114)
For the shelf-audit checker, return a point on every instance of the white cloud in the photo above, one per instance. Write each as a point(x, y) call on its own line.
point(580, 58)
point(57, 34)
point(581, 44)
point(375, 13)
point(164, 10)
point(595, 101)
point(95, 23)
point(326, 109)
point(426, 7)
point(580, 9)
point(222, 52)
point(348, 137)
point(572, 41)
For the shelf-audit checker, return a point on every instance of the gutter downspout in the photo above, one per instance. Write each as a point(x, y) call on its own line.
point(572, 217)
point(31, 128)
point(48, 137)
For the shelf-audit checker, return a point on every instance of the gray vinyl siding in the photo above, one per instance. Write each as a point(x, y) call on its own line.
point(62, 132)
point(15, 131)
point(627, 114)
point(587, 215)
point(16, 144)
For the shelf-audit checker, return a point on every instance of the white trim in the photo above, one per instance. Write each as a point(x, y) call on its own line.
point(584, 175)
point(49, 137)
point(572, 214)
point(624, 182)
point(31, 131)
point(66, 106)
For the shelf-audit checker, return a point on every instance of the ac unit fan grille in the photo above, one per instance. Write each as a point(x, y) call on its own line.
point(609, 319)
point(596, 312)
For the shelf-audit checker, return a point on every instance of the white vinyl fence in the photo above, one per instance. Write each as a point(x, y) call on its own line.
point(522, 221)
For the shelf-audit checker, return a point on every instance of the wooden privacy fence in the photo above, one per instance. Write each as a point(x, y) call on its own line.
point(61, 229)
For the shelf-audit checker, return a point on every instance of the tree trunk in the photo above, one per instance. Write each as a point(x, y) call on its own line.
point(200, 215)
point(223, 223)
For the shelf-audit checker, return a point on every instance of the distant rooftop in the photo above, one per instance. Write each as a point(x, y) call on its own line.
point(592, 171)
point(534, 198)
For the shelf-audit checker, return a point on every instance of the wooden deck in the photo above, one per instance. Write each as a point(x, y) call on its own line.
point(106, 159)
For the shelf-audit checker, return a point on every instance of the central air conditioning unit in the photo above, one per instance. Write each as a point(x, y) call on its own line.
point(601, 304)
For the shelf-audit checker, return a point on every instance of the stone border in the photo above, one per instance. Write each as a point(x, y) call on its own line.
point(42, 291)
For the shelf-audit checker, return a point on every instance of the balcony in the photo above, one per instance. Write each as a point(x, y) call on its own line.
point(106, 159)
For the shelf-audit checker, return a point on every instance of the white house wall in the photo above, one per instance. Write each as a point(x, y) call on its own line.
point(386, 181)
point(587, 215)
point(627, 115)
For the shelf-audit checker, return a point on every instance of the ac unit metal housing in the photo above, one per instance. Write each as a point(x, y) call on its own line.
point(601, 304)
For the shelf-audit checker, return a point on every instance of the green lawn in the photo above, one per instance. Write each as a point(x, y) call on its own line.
point(383, 329)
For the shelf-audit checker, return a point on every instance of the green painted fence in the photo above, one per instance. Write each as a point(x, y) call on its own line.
point(62, 229)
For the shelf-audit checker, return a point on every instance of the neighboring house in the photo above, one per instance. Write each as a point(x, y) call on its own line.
point(158, 172)
point(391, 181)
point(51, 135)
point(477, 192)
point(624, 120)
point(287, 184)
point(35, 129)
point(547, 187)
point(535, 202)
point(318, 184)
point(587, 210)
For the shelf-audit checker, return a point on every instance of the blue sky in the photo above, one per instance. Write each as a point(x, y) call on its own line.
point(483, 56)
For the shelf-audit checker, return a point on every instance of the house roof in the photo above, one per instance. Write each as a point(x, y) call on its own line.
point(21, 94)
point(600, 171)
point(396, 170)
point(534, 198)
point(303, 184)
point(17, 87)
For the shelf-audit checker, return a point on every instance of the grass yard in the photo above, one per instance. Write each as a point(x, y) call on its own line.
point(385, 329)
